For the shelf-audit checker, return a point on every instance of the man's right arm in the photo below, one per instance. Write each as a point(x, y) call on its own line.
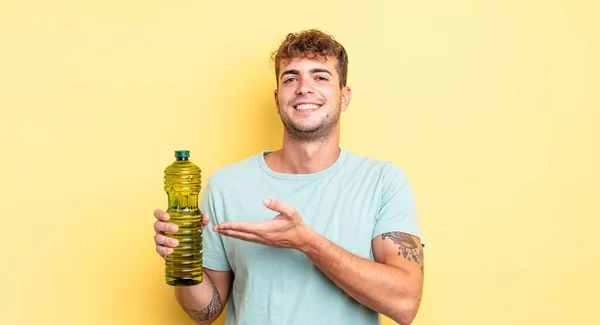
point(205, 302)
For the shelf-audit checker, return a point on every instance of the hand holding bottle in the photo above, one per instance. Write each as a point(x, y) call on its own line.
point(164, 244)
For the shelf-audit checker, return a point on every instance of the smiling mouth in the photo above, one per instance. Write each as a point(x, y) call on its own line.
point(307, 107)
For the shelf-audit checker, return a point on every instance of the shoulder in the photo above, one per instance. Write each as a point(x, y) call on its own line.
point(234, 173)
point(385, 170)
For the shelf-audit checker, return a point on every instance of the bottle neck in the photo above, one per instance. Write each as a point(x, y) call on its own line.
point(181, 159)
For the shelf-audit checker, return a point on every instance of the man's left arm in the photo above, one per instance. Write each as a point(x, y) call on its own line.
point(391, 285)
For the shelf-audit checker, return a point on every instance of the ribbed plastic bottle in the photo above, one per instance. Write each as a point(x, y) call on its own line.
point(182, 184)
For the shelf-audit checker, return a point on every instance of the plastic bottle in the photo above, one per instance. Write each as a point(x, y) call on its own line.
point(182, 183)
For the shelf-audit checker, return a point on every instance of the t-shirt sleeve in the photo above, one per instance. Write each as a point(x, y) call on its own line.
point(213, 251)
point(397, 212)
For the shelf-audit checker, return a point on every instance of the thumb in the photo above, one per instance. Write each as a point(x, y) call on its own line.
point(279, 207)
point(205, 220)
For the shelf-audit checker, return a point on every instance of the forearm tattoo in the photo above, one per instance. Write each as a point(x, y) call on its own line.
point(211, 310)
point(407, 246)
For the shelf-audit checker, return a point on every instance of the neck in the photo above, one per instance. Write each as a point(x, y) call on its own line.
point(297, 157)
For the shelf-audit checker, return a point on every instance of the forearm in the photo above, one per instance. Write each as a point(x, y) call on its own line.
point(383, 288)
point(201, 302)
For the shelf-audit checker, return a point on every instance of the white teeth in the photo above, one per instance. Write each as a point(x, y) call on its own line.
point(307, 106)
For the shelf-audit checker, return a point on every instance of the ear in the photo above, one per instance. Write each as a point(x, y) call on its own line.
point(276, 97)
point(346, 96)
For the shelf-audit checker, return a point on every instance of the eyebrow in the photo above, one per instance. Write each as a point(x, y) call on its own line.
point(314, 70)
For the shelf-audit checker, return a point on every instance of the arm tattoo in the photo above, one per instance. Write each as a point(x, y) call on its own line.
point(211, 310)
point(407, 247)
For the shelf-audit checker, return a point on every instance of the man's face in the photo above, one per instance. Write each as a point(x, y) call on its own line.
point(309, 99)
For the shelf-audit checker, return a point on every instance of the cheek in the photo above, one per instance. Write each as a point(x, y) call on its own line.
point(327, 93)
point(285, 98)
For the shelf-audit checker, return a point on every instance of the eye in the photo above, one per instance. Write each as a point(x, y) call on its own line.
point(321, 78)
point(288, 80)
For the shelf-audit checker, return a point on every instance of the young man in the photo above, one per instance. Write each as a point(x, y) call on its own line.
point(310, 233)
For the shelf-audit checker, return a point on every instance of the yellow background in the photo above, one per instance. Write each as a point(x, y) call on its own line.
point(491, 107)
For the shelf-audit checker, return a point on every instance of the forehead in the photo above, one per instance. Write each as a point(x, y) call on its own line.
point(306, 64)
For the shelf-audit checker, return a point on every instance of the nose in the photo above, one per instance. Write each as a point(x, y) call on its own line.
point(304, 87)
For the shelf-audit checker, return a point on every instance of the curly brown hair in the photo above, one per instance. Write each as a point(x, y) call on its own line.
point(312, 44)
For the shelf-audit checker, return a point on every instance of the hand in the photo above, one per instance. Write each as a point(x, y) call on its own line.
point(164, 244)
point(286, 230)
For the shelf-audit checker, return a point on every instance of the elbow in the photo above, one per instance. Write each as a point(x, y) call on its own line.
point(404, 311)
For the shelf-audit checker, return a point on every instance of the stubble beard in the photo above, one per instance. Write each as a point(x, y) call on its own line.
point(319, 132)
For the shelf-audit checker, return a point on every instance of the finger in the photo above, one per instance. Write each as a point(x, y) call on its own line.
point(279, 207)
point(243, 236)
point(163, 251)
point(161, 227)
point(161, 215)
point(247, 227)
point(165, 241)
point(205, 220)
